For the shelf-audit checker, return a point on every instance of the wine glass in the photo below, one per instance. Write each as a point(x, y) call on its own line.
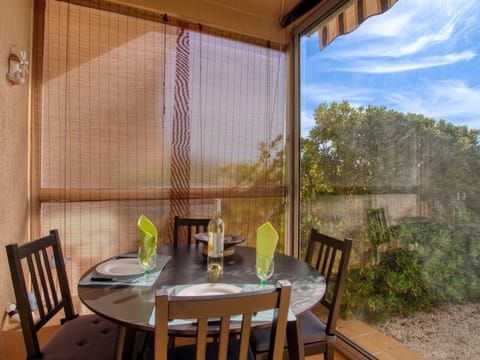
point(264, 268)
point(147, 256)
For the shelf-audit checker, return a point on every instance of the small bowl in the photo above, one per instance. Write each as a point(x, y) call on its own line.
point(230, 240)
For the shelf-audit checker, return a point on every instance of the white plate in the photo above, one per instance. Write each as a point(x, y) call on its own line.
point(120, 267)
point(209, 289)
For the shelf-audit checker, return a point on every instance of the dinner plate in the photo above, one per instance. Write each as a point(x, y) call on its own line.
point(209, 289)
point(120, 267)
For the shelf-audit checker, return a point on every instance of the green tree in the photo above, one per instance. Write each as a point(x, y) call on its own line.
point(373, 150)
point(368, 150)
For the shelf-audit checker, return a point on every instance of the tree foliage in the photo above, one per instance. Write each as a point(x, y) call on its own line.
point(374, 150)
point(370, 150)
point(267, 171)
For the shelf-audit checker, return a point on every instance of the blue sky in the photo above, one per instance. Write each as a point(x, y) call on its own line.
point(422, 56)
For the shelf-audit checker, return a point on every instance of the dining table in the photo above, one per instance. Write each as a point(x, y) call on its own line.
point(130, 303)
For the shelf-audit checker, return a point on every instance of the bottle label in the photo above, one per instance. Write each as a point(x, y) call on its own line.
point(215, 245)
point(215, 256)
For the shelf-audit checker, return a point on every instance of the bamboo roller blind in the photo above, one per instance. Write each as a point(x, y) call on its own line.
point(144, 117)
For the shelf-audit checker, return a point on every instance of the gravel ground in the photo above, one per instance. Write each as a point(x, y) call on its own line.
point(448, 332)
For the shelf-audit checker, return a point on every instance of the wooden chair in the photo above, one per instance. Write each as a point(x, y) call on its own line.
point(193, 226)
point(221, 307)
point(40, 264)
point(379, 232)
point(330, 257)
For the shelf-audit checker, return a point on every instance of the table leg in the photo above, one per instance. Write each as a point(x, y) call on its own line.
point(120, 342)
point(125, 343)
point(294, 339)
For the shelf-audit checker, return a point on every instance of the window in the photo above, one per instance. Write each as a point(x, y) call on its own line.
point(390, 157)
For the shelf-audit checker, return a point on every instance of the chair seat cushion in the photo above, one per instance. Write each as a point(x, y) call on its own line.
point(313, 330)
point(85, 337)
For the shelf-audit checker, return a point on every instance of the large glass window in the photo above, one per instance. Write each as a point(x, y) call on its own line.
point(390, 156)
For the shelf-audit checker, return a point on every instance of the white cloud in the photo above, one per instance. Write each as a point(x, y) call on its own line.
point(453, 101)
point(317, 94)
point(426, 41)
point(384, 67)
point(385, 25)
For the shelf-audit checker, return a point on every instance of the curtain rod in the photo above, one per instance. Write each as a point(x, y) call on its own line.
point(165, 18)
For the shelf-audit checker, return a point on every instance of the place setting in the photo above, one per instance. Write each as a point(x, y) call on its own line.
point(138, 269)
point(266, 239)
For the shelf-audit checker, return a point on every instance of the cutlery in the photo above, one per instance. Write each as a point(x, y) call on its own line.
point(127, 256)
point(102, 279)
point(112, 280)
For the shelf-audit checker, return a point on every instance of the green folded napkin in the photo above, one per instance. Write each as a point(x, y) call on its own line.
point(148, 238)
point(267, 238)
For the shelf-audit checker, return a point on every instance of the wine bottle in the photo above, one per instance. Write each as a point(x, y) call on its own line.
point(215, 242)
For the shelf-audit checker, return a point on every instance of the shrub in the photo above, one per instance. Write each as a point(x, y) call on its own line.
point(436, 263)
point(394, 286)
point(449, 255)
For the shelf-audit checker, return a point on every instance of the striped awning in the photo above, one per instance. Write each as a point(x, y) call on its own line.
point(349, 17)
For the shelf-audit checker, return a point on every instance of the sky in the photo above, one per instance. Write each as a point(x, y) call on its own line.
point(421, 56)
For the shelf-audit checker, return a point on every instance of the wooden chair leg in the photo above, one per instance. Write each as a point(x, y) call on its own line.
point(171, 341)
point(329, 353)
point(294, 340)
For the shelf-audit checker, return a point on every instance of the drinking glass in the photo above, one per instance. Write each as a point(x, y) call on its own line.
point(264, 268)
point(147, 257)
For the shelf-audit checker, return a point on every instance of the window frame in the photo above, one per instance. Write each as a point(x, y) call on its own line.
point(324, 11)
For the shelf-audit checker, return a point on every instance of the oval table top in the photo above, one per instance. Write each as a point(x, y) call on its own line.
point(132, 306)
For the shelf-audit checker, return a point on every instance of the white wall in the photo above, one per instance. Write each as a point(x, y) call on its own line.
point(15, 29)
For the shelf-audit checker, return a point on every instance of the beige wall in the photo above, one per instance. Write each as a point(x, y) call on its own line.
point(15, 29)
point(257, 18)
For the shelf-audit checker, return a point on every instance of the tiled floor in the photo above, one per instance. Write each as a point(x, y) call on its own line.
point(375, 342)
point(372, 340)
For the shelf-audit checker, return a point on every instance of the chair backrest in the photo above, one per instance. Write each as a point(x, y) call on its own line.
point(330, 257)
point(38, 267)
point(378, 229)
point(192, 227)
point(222, 307)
